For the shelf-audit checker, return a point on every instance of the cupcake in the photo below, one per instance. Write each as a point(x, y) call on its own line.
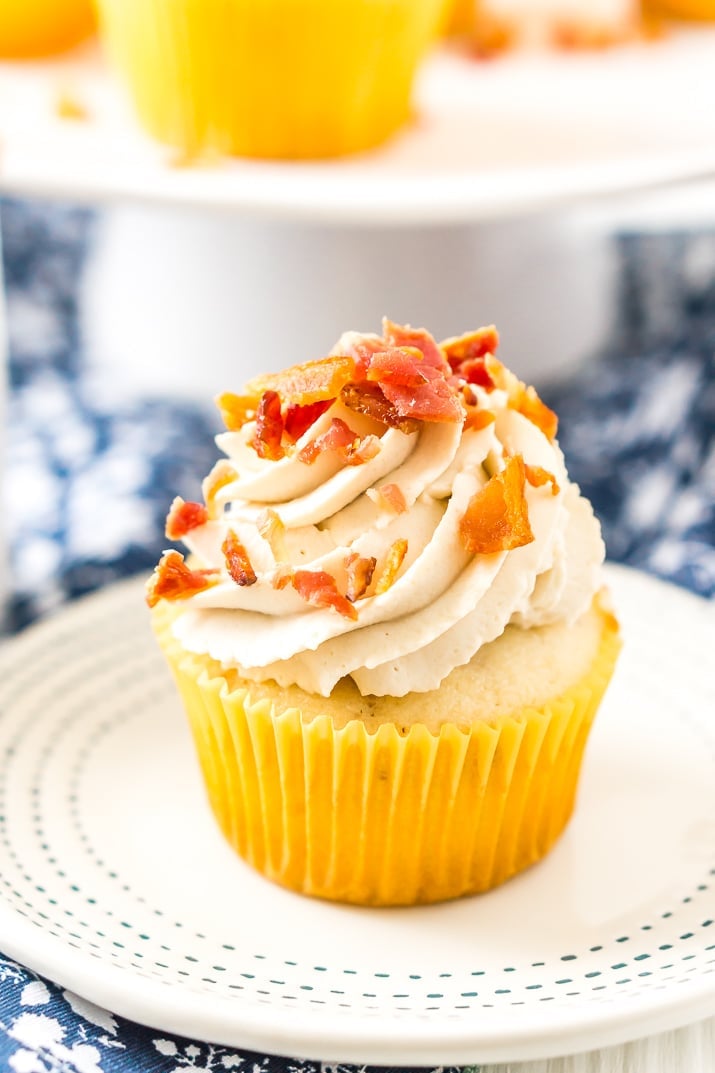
point(561, 23)
point(284, 79)
point(391, 636)
point(700, 10)
point(31, 28)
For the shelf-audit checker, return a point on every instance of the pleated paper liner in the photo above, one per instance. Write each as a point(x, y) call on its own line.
point(386, 818)
point(285, 79)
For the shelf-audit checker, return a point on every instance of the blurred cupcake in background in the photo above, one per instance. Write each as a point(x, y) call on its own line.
point(286, 79)
point(702, 10)
point(493, 25)
point(30, 28)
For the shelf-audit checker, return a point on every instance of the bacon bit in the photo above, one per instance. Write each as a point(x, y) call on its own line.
point(415, 383)
point(392, 495)
point(237, 562)
point(479, 419)
point(400, 365)
point(269, 427)
point(527, 402)
point(370, 399)
point(282, 577)
point(298, 419)
point(359, 570)
point(220, 476)
point(523, 399)
point(393, 561)
point(236, 410)
point(303, 385)
point(435, 401)
point(461, 348)
point(174, 580)
point(497, 516)
point(397, 335)
point(273, 530)
point(350, 448)
point(474, 371)
point(537, 475)
point(319, 588)
point(183, 517)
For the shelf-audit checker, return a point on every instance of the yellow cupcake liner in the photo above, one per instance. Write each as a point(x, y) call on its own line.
point(271, 78)
point(386, 818)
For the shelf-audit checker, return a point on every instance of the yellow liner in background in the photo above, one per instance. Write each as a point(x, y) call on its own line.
point(386, 818)
point(285, 79)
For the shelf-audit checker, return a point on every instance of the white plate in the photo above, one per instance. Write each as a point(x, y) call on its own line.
point(521, 133)
point(115, 882)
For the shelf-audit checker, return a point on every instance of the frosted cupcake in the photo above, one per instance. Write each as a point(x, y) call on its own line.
point(277, 78)
point(392, 638)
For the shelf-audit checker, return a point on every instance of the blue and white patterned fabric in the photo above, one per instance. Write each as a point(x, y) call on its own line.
point(90, 470)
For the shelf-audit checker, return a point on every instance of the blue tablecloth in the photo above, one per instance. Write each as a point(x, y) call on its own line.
point(91, 468)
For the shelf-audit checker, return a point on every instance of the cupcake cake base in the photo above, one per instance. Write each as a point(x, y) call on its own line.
point(413, 802)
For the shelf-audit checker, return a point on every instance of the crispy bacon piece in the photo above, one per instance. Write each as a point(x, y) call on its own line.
point(350, 448)
point(359, 570)
point(319, 588)
point(478, 419)
point(537, 475)
point(475, 371)
point(221, 475)
point(236, 410)
point(370, 399)
point(497, 516)
point(313, 381)
point(298, 419)
point(400, 365)
point(398, 335)
point(282, 577)
point(237, 562)
point(273, 530)
point(522, 398)
point(435, 401)
point(174, 580)
point(393, 561)
point(183, 517)
point(416, 387)
point(269, 427)
point(391, 495)
point(527, 402)
point(473, 345)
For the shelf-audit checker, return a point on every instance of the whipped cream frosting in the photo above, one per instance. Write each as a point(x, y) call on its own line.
point(443, 604)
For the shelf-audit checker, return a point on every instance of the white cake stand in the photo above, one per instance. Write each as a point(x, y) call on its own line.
point(483, 210)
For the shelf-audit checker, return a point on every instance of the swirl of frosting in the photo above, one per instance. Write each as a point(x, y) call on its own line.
point(382, 518)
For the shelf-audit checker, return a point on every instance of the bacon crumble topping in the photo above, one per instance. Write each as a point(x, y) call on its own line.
point(220, 476)
point(238, 563)
point(359, 570)
point(319, 588)
point(269, 427)
point(174, 580)
point(389, 495)
point(497, 516)
point(273, 530)
point(537, 476)
point(390, 568)
point(183, 517)
point(351, 449)
point(401, 380)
